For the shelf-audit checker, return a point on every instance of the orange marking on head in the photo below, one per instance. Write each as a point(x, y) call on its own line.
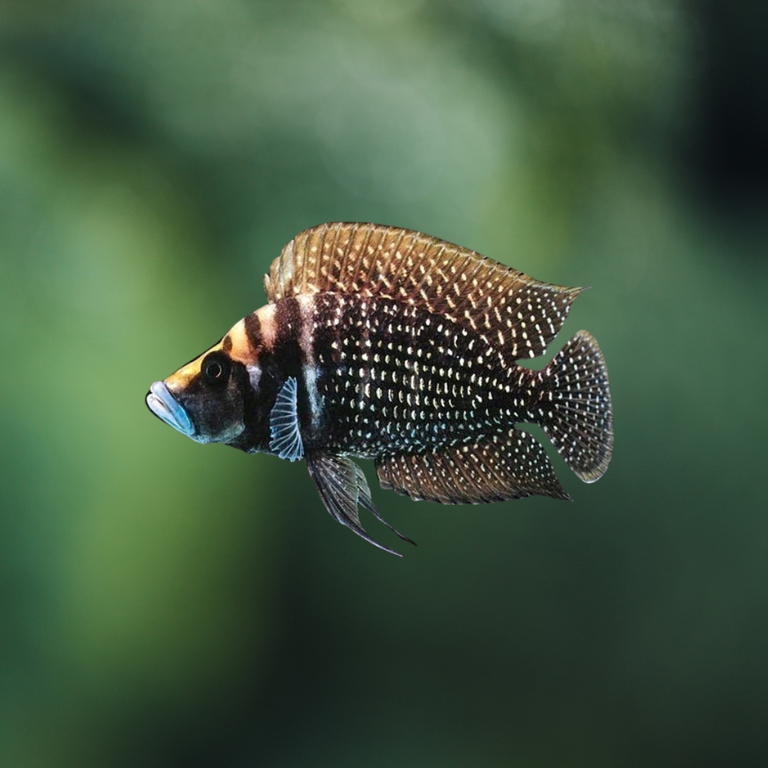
point(241, 350)
point(177, 382)
point(268, 328)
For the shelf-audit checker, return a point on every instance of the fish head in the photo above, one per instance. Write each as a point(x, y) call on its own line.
point(205, 399)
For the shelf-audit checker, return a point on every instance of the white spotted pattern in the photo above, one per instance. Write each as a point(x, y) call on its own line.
point(574, 406)
point(510, 310)
point(512, 465)
point(410, 348)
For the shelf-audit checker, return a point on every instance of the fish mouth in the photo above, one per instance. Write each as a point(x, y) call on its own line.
point(165, 406)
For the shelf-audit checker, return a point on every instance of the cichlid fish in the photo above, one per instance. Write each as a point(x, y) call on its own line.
point(388, 344)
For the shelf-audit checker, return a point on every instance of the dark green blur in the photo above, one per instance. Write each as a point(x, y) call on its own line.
point(164, 603)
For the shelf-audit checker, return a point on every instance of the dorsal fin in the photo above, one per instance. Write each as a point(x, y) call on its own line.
point(494, 468)
point(514, 311)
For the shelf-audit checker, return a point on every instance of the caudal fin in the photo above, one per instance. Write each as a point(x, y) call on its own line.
point(574, 406)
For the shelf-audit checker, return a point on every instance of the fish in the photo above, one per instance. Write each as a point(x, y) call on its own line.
point(388, 344)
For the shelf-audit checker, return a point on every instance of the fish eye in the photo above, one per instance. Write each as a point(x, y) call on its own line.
point(216, 369)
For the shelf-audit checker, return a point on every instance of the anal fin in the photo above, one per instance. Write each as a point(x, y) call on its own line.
point(342, 487)
point(511, 465)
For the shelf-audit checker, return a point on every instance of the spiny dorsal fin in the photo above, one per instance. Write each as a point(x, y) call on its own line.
point(495, 468)
point(515, 311)
point(285, 438)
point(342, 486)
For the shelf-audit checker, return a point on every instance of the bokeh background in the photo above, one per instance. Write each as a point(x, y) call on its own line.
point(164, 603)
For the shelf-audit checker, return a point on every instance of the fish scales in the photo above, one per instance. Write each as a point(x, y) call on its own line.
point(397, 378)
point(384, 343)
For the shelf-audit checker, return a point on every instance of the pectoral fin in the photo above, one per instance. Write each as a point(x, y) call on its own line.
point(285, 438)
point(342, 487)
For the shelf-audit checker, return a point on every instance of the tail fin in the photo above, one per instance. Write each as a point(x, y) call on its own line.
point(574, 406)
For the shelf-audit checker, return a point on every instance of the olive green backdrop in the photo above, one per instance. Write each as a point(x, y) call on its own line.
point(164, 603)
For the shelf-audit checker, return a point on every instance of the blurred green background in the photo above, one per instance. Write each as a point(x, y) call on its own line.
point(164, 603)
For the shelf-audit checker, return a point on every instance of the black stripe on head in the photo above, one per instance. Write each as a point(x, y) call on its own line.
point(287, 349)
point(253, 330)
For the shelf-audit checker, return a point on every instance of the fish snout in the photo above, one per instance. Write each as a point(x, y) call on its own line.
point(165, 406)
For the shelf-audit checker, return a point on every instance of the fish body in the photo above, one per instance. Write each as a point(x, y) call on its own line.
point(384, 343)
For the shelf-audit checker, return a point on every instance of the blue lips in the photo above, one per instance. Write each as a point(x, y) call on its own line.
point(162, 403)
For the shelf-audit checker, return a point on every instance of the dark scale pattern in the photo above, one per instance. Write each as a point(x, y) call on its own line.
point(394, 378)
